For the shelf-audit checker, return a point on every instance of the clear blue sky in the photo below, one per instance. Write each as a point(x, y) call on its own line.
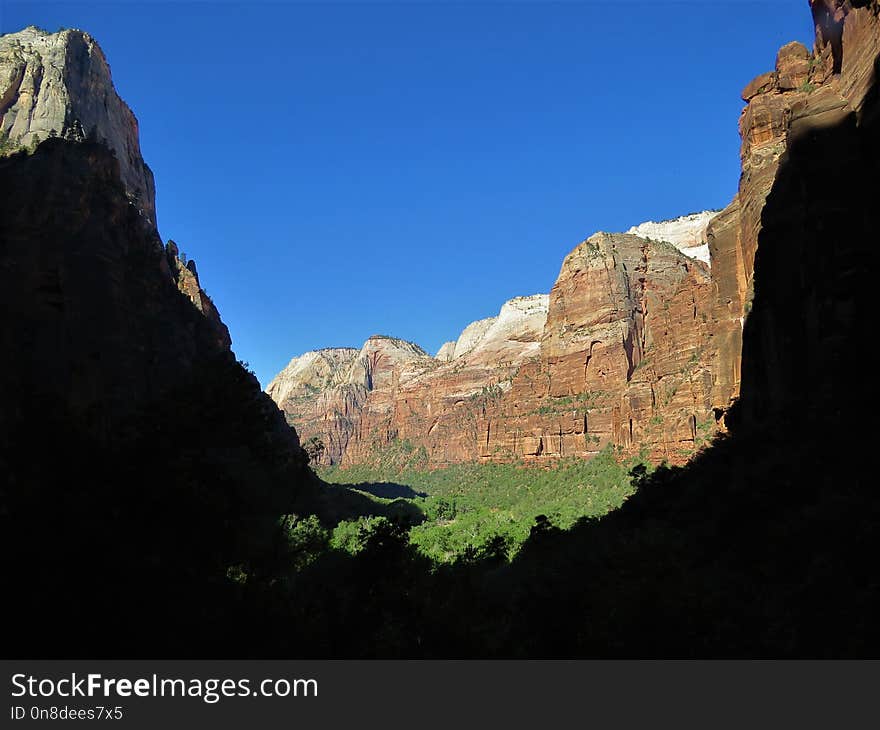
point(339, 170)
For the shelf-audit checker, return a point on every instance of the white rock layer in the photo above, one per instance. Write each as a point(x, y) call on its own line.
point(687, 233)
point(446, 352)
point(312, 371)
point(515, 334)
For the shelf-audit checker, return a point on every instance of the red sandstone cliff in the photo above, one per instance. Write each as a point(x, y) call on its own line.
point(618, 353)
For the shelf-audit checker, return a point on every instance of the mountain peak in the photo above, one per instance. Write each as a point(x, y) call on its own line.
point(60, 85)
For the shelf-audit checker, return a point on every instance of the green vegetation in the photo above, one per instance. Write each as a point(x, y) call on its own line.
point(9, 145)
point(480, 508)
point(392, 458)
point(557, 406)
point(314, 448)
point(488, 394)
point(807, 87)
point(705, 433)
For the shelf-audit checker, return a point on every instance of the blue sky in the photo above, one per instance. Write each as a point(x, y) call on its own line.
point(340, 170)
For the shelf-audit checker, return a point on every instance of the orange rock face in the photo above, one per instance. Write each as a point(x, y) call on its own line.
point(626, 340)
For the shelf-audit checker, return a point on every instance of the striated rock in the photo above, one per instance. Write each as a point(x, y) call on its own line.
point(733, 235)
point(309, 373)
point(314, 394)
point(392, 389)
point(383, 361)
point(446, 352)
point(514, 334)
point(437, 408)
point(328, 393)
point(59, 84)
point(628, 333)
point(687, 233)
point(859, 29)
point(470, 336)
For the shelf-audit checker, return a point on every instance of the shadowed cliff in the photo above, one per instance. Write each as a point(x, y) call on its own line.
point(138, 459)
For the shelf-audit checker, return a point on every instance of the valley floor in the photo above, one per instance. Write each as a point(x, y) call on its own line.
point(475, 508)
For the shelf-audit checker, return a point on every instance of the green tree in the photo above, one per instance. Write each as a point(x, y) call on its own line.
point(314, 449)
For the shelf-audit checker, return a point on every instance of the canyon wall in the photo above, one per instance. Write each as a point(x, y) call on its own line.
point(643, 339)
point(618, 354)
point(139, 461)
point(805, 94)
point(805, 338)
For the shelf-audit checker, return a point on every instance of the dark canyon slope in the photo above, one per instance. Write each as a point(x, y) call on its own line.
point(136, 455)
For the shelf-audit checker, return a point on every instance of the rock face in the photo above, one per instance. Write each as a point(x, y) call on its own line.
point(328, 393)
point(91, 306)
point(59, 84)
point(628, 332)
point(618, 353)
point(446, 351)
point(310, 373)
point(687, 233)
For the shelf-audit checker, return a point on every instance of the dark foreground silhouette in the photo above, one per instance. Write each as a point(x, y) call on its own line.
point(163, 538)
